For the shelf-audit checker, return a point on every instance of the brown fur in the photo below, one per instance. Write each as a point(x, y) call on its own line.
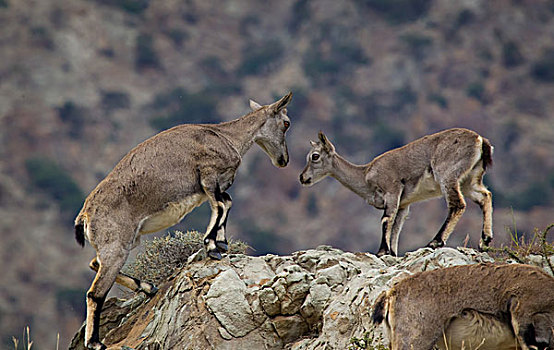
point(159, 182)
point(423, 308)
point(450, 163)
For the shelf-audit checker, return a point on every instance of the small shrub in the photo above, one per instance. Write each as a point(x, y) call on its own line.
point(477, 91)
point(42, 37)
point(399, 11)
point(4, 4)
point(162, 257)
point(180, 106)
point(464, 17)
point(74, 116)
point(366, 342)
point(178, 36)
point(300, 13)
point(48, 177)
point(417, 44)
point(112, 100)
point(387, 137)
point(511, 56)
point(71, 299)
point(131, 6)
point(145, 53)
point(438, 99)
point(311, 206)
point(258, 58)
point(342, 58)
point(543, 69)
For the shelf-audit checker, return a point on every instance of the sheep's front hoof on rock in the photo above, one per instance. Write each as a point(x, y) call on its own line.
point(222, 246)
point(435, 244)
point(214, 254)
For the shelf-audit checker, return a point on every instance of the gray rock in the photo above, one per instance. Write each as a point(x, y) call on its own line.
point(313, 299)
point(226, 299)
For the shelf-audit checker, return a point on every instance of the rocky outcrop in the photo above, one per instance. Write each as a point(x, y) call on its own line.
point(314, 299)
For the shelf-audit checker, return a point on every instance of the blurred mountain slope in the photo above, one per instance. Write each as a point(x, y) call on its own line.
point(82, 82)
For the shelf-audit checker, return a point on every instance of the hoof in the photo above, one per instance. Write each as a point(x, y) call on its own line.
point(96, 346)
point(484, 242)
point(150, 290)
point(435, 244)
point(383, 252)
point(222, 246)
point(214, 254)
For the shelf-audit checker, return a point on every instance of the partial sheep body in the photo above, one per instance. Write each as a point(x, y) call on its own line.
point(450, 163)
point(159, 182)
point(502, 303)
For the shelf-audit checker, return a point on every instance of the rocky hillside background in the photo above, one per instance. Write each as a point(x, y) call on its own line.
point(82, 82)
point(314, 299)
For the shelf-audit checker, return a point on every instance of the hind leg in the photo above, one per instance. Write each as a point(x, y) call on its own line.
point(125, 280)
point(110, 262)
point(483, 197)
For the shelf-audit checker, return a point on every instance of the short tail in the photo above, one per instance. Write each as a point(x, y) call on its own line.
point(487, 153)
point(379, 308)
point(80, 232)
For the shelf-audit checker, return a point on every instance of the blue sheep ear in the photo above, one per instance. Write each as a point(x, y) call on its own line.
point(327, 145)
point(282, 103)
point(313, 143)
point(255, 105)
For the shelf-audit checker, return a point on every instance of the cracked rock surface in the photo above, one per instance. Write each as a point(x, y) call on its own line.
point(313, 299)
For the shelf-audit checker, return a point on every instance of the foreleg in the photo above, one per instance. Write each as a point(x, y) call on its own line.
point(217, 204)
point(456, 207)
point(221, 240)
point(401, 215)
point(387, 224)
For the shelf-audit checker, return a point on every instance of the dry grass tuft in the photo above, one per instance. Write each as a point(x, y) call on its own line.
point(163, 256)
point(520, 248)
point(366, 342)
point(27, 342)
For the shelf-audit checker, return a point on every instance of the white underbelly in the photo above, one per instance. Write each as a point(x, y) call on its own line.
point(173, 213)
point(474, 330)
point(426, 188)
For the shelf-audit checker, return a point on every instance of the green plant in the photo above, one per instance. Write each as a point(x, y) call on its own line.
point(50, 178)
point(367, 342)
point(543, 69)
point(70, 299)
point(511, 55)
point(477, 91)
point(163, 256)
point(258, 58)
point(74, 116)
point(399, 11)
point(131, 6)
point(178, 36)
point(42, 37)
point(438, 99)
point(417, 44)
point(145, 53)
point(300, 13)
point(342, 57)
point(112, 100)
point(180, 106)
point(4, 3)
